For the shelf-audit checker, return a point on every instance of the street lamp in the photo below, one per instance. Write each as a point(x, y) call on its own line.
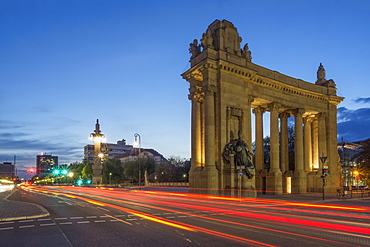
point(98, 138)
point(110, 178)
point(137, 142)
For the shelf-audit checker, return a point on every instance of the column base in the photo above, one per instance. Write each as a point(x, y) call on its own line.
point(274, 183)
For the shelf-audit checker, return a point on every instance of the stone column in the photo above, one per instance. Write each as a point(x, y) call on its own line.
point(284, 150)
point(307, 144)
point(299, 179)
point(334, 177)
point(197, 97)
point(248, 185)
point(209, 140)
point(315, 143)
point(322, 137)
point(274, 179)
point(259, 155)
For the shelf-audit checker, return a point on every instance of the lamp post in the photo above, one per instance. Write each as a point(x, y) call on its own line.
point(98, 138)
point(137, 142)
point(110, 178)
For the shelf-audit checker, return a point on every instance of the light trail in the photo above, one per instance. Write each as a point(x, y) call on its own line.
point(243, 214)
point(177, 224)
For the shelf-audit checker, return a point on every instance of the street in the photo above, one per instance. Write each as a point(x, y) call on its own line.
point(83, 216)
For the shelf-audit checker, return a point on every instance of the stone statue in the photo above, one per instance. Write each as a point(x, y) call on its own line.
point(194, 48)
point(246, 53)
point(242, 155)
point(321, 80)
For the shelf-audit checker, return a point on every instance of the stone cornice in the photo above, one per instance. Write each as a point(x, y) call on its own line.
point(271, 82)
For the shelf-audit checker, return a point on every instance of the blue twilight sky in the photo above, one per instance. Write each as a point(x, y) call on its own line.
point(64, 64)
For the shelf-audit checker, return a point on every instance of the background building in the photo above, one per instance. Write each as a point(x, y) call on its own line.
point(45, 164)
point(347, 152)
point(110, 150)
point(7, 170)
point(135, 153)
point(121, 151)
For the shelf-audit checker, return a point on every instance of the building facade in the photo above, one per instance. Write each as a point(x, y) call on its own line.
point(7, 170)
point(226, 88)
point(110, 150)
point(347, 152)
point(45, 164)
point(122, 151)
point(137, 153)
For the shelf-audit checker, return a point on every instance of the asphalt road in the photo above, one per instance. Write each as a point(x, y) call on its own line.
point(114, 217)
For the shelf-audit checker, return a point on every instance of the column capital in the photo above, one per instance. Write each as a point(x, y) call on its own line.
point(322, 114)
point(285, 114)
point(259, 110)
point(299, 111)
point(196, 94)
point(309, 119)
point(274, 106)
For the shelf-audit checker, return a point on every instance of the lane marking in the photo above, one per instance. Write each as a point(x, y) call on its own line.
point(49, 224)
point(7, 222)
point(27, 226)
point(118, 219)
point(64, 218)
point(23, 221)
point(43, 219)
point(65, 223)
point(6, 228)
point(83, 222)
point(74, 218)
point(99, 221)
point(91, 217)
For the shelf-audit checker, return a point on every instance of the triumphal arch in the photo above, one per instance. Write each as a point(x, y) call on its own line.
point(228, 92)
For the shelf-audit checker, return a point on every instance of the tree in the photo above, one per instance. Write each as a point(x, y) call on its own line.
point(112, 171)
point(165, 172)
point(131, 169)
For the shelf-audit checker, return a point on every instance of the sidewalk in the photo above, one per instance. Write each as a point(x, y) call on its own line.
point(14, 210)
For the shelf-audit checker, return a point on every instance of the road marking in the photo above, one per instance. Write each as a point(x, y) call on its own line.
point(65, 223)
point(74, 218)
point(7, 222)
point(61, 218)
point(83, 222)
point(49, 224)
point(27, 226)
point(43, 219)
point(170, 217)
point(104, 209)
point(91, 217)
point(23, 221)
point(6, 228)
point(119, 215)
point(99, 221)
point(131, 219)
point(118, 219)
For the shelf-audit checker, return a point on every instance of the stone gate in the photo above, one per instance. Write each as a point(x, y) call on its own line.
point(226, 88)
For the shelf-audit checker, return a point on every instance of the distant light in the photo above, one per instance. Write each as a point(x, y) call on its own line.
point(101, 155)
point(70, 174)
point(64, 172)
